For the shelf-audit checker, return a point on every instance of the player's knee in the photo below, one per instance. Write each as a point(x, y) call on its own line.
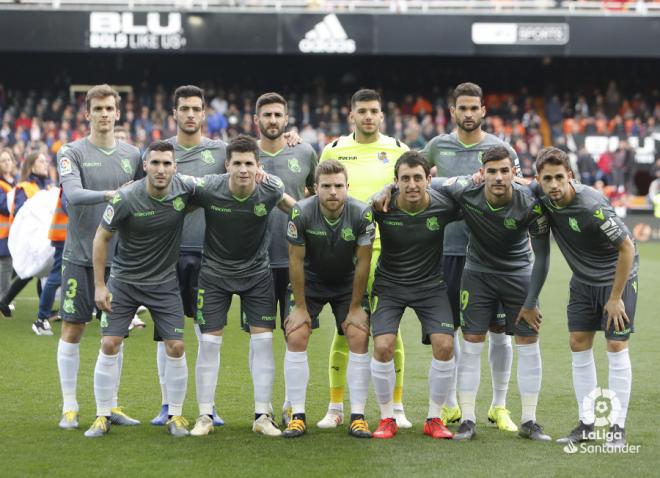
point(110, 345)
point(579, 342)
point(525, 340)
point(174, 348)
point(617, 345)
point(297, 340)
point(384, 347)
point(358, 340)
point(72, 332)
point(475, 339)
point(443, 346)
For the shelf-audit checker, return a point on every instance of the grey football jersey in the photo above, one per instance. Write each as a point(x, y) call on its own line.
point(235, 241)
point(295, 166)
point(330, 246)
point(411, 244)
point(588, 233)
point(453, 158)
point(208, 157)
point(149, 231)
point(499, 237)
point(81, 164)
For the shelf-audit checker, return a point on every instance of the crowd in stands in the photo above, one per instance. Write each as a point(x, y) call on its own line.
point(33, 121)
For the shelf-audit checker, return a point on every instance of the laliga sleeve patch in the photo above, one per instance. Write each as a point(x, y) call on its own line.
point(109, 214)
point(292, 230)
point(65, 166)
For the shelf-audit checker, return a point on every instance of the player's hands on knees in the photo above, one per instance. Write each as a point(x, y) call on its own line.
point(616, 314)
point(358, 317)
point(381, 199)
point(299, 317)
point(533, 317)
point(102, 298)
point(292, 138)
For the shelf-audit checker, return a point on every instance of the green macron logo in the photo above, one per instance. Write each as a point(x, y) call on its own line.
point(369, 216)
point(207, 157)
point(178, 204)
point(574, 224)
point(599, 214)
point(537, 209)
point(126, 166)
point(510, 223)
point(294, 165)
point(295, 212)
point(432, 224)
point(260, 209)
point(116, 198)
point(634, 286)
point(347, 234)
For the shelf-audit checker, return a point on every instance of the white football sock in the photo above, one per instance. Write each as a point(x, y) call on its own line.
point(296, 377)
point(120, 363)
point(68, 363)
point(620, 381)
point(529, 379)
point(176, 379)
point(584, 378)
point(263, 370)
point(441, 376)
point(206, 371)
point(358, 374)
point(452, 400)
point(160, 363)
point(500, 356)
point(383, 376)
point(469, 376)
point(105, 382)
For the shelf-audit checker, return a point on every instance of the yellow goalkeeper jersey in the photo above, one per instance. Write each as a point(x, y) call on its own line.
point(370, 166)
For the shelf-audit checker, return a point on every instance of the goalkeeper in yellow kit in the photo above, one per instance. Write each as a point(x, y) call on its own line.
point(369, 158)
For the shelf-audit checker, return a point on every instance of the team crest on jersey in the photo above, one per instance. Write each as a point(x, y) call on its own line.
point(347, 234)
point(65, 166)
point(260, 209)
point(108, 214)
point(382, 157)
point(510, 223)
point(294, 165)
point(178, 204)
point(207, 157)
point(292, 230)
point(126, 166)
point(574, 224)
point(432, 224)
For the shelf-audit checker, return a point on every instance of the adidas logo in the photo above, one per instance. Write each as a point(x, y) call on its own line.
point(327, 36)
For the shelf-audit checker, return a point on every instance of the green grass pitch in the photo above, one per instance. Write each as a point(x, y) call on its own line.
point(32, 445)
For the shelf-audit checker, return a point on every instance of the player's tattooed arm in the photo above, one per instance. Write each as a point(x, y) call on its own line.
point(99, 256)
point(357, 316)
point(286, 204)
point(298, 315)
point(614, 308)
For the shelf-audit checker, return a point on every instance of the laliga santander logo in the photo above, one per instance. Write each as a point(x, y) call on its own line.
point(601, 407)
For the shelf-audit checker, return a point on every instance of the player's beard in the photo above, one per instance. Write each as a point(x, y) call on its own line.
point(265, 133)
point(190, 130)
point(475, 125)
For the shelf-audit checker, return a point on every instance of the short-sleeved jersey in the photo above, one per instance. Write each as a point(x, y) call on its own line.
point(499, 237)
point(99, 170)
point(411, 244)
point(295, 166)
point(453, 158)
point(235, 241)
point(149, 231)
point(330, 245)
point(370, 166)
point(208, 157)
point(588, 233)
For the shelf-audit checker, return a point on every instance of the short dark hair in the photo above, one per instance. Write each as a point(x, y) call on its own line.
point(554, 156)
point(187, 91)
point(412, 159)
point(364, 95)
point(269, 99)
point(468, 89)
point(330, 166)
point(100, 92)
point(160, 146)
point(243, 144)
point(496, 153)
